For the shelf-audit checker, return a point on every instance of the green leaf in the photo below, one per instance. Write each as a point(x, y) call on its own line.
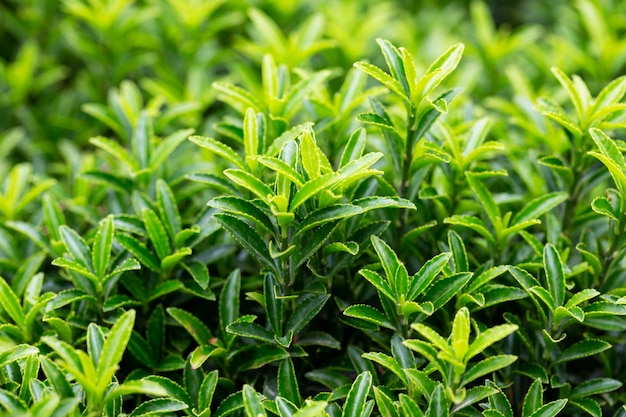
point(273, 305)
point(252, 402)
point(388, 259)
point(381, 285)
point(141, 140)
point(139, 250)
point(56, 378)
point(76, 246)
point(533, 399)
point(387, 362)
point(14, 353)
point(243, 208)
point(102, 246)
point(385, 405)
point(167, 146)
point(369, 314)
point(219, 149)
point(487, 366)
point(229, 300)
point(74, 266)
point(157, 233)
point(444, 289)
point(438, 405)
point(550, 409)
point(251, 183)
point(601, 205)
point(199, 272)
point(250, 330)
point(309, 154)
point(471, 222)
point(458, 252)
point(382, 77)
point(114, 348)
point(287, 382)
point(572, 92)
point(539, 206)
point(588, 405)
point(489, 337)
point(172, 260)
point(354, 147)
point(95, 342)
point(460, 332)
point(307, 307)
point(116, 151)
point(485, 198)
point(594, 387)
point(357, 396)
point(582, 349)
point(158, 406)
point(281, 167)
point(247, 237)
point(139, 386)
point(427, 274)
point(257, 356)
point(251, 134)
point(168, 210)
point(207, 389)
point(313, 187)
point(328, 214)
point(554, 274)
point(198, 330)
point(11, 304)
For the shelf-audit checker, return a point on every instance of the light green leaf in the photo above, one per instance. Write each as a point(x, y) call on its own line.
point(102, 246)
point(252, 402)
point(219, 149)
point(11, 304)
point(489, 337)
point(487, 366)
point(76, 246)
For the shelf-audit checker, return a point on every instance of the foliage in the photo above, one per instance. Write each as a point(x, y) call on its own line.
point(312, 208)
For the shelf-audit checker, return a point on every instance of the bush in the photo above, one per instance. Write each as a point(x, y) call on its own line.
point(312, 208)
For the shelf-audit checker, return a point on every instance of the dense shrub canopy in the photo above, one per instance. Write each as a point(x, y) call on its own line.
point(312, 208)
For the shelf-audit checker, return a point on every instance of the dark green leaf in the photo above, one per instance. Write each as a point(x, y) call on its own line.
point(288, 383)
point(229, 300)
point(357, 397)
point(582, 349)
point(438, 405)
point(247, 237)
point(594, 387)
point(198, 330)
point(308, 305)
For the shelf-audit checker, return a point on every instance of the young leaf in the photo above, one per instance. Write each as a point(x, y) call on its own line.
point(102, 246)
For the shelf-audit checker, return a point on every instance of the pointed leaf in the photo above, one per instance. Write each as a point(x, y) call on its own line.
point(357, 396)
